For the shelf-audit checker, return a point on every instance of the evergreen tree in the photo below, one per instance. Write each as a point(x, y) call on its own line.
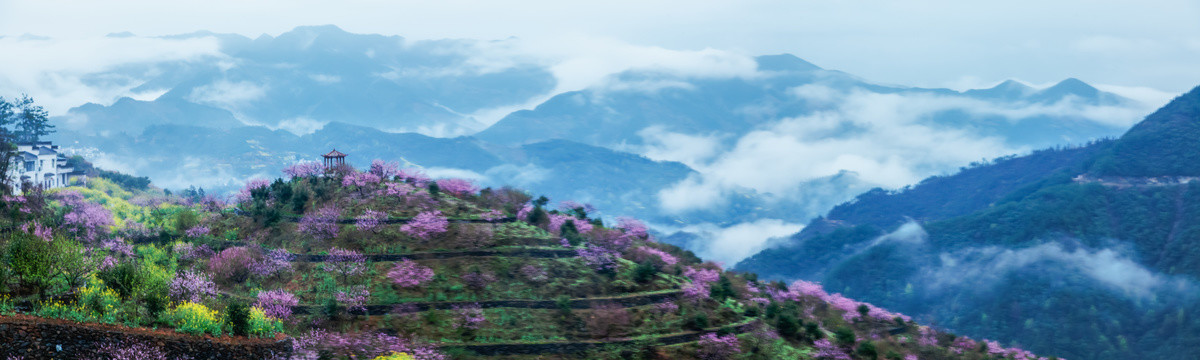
point(32, 122)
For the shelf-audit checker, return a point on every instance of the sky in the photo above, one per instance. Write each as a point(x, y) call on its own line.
point(1139, 46)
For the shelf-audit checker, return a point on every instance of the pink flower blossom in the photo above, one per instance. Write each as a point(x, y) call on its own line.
point(478, 280)
point(413, 176)
point(713, 347)
point(534, 273)
point(426, 224)
point(927, 338)
point(345, 262)
point(370, 220)
point(89, 220)
point(397, 189)
point(322, 224)
point(408, 273)
point(826, 350)
point(646, 253)
point(40, 231)
point(384, 169)
point(457, 187)
point(192, 286)
point(276, 303)
point(274, 262)
point(355, 298)
point(600, 259)
point(197, 231)
point(666, 307)
point(304, 169)
point(633, 227)
point(360, 180)
point(492, 215)
point(469, 316)
point(523, 214)
point(808, 289)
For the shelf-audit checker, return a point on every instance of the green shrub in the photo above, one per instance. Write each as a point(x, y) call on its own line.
point(331, 308)
point(298, 202)
point(752, 311)
point(788, 326)
point(893, 355)
point(237, 315)
point(844, 335)
point(723, 290)
point(32, 261)
point(124, 278)
point(563, 302)
point(185, 219)
point(698, 322)
point(813, 330)
point(644, 272)
point(867, 350)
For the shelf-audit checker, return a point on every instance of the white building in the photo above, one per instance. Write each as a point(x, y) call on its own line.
point(38, 164)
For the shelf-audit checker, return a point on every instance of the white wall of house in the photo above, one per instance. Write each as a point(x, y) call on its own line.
point(38, 164)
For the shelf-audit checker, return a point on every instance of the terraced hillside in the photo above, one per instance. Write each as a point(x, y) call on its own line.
point(387, 262)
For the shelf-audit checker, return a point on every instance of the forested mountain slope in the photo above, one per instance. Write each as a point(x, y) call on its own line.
point(1046, 250)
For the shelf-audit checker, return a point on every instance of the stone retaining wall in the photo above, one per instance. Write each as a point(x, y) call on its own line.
point(35, 338)
point(583, 346)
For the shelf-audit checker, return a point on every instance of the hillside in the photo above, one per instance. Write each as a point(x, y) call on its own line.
point(1089, 251)
point(359, 264)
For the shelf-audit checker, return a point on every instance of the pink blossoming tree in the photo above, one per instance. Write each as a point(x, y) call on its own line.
point(408, 273)
point(426, 225)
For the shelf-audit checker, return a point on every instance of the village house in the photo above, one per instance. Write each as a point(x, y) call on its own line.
point(38, 164)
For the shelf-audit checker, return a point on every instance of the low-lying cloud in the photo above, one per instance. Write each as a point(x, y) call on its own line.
point(56, 71)
point(1109, 267)
point(888, 140)
point(729, 245)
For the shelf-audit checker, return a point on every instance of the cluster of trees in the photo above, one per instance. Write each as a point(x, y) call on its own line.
point(21, 121)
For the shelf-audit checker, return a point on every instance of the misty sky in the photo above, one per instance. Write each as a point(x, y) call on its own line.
point(957, 44)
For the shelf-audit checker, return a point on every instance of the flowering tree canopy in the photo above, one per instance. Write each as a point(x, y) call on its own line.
point(413, 176)
point(457, 187)
point(192, 286)
point(370, 220)
point(426, 224)
point(408, 273)
point(713, 347)
point(361, 179)
point(321, 224)
point(276, 303)
point(304, 169)
point(89, 220)
point(384, 169)
point(345, 262)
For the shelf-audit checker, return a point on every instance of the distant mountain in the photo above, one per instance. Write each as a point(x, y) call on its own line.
point(1090, 251)
point(319, 74)
point(615, 115)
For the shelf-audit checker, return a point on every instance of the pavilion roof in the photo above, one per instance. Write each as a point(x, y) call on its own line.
point(334, 153)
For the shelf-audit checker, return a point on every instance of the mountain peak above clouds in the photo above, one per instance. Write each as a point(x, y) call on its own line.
point(1007, 90)
point(783, 63)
